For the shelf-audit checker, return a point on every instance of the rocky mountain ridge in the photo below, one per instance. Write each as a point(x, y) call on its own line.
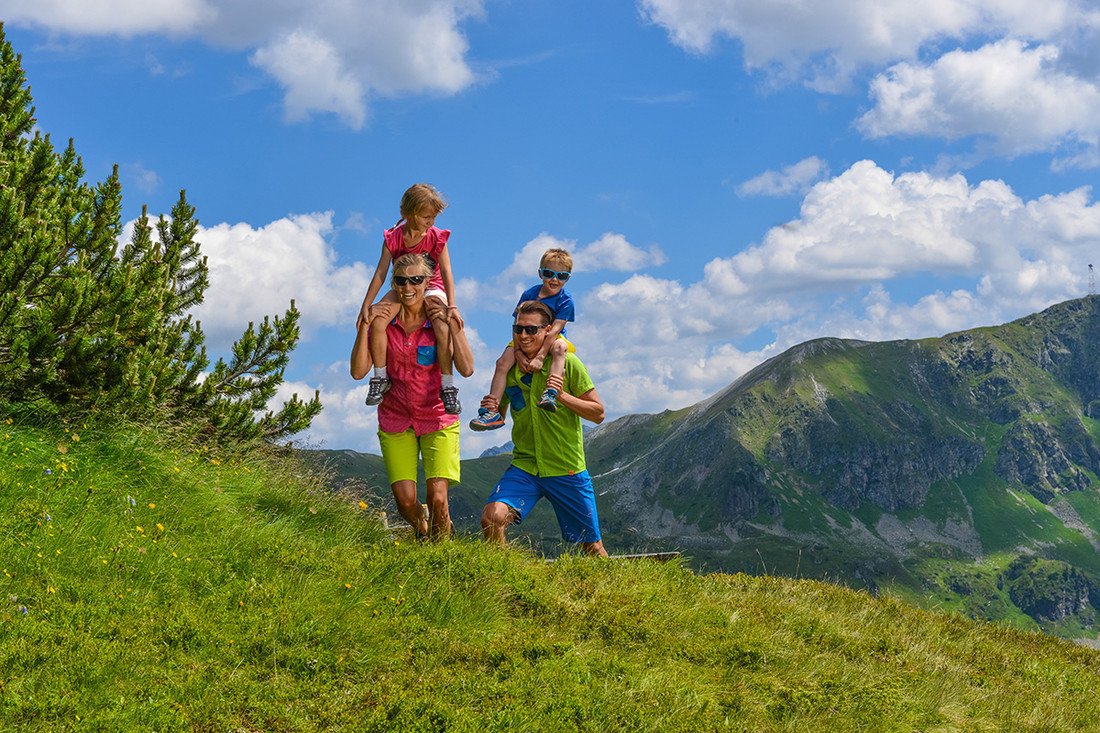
point(892, 464)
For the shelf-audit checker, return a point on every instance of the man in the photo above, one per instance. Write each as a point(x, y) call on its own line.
point(548, 457)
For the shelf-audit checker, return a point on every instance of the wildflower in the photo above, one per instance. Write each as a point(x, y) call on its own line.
point(131, 500)
point(362, 505)
point(48, 519)
point(23, 610)
point(152, 505)
point(48, 472)
point(160, 526)
point(140, 529)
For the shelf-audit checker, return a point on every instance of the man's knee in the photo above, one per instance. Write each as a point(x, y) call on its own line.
point(497, 515)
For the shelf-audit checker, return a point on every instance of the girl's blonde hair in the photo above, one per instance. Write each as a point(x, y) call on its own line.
point(422, 196)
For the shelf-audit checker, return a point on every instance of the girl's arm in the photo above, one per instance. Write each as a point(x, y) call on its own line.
point(376, 283)
point(447, 275)
point(360, 353)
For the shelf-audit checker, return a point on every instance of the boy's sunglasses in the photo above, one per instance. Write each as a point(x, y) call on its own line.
point(549, 274)
point(529, 330)
point(401, 280)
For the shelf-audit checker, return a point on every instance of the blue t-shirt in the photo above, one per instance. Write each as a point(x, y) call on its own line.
point(561, 304)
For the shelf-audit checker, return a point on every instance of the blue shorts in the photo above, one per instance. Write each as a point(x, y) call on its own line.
point(572, 497)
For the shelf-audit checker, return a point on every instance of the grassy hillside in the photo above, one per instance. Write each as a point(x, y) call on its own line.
point(150, 584)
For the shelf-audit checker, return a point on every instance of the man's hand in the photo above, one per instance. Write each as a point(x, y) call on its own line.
point(555, 382)
point(490, 403)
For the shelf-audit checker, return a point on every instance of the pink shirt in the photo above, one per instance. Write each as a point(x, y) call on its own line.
point(432, 245)
point(413, 400)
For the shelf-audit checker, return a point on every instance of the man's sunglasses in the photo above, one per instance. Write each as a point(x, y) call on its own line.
point(549, 274)
point(401, 280)
point(529, 330)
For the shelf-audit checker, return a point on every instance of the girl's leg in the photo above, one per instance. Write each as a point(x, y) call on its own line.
point(385, 310)
point(444, 351)
point(410, 508)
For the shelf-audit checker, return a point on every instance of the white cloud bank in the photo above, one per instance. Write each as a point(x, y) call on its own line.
point(328, 57)
point(1021, 75)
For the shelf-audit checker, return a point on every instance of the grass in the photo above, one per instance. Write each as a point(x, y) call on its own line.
point(149, 583)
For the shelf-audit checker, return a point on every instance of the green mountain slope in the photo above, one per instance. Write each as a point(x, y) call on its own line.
point(149, 583)
point(959, 470)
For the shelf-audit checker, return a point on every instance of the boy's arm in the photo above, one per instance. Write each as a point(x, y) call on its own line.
point(375, 285)
point(360, 353)
point(447, 275)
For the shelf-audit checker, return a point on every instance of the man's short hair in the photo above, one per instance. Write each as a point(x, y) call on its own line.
point(534, 306)
point(557, 259)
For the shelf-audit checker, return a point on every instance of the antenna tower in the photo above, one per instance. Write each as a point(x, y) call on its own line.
point(1092, 282)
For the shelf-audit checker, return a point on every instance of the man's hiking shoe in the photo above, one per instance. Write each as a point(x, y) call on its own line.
point(377, 387)
point(487, 420)
point(449, 395)
point(549, 400)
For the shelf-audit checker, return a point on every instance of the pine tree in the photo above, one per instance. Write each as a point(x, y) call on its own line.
point(87, 323)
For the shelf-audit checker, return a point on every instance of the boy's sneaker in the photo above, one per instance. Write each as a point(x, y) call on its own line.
point(487, 420)
point(549, 400)
point(449, 395)
point(377, 387)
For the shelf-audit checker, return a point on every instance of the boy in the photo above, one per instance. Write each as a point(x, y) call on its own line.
point(555, 268)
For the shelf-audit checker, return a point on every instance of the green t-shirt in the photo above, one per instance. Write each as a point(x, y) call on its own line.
point(547, 443)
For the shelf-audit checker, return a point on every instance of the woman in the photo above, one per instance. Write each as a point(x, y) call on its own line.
point(412, 421)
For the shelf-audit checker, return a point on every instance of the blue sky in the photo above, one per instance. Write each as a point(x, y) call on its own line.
point(733, 177)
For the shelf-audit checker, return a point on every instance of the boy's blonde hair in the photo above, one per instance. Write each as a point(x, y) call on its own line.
point(422, 196)
point(557, 259)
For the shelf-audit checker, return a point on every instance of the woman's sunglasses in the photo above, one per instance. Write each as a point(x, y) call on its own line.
point(400, 280)
point(549, 274)
point(529, 330)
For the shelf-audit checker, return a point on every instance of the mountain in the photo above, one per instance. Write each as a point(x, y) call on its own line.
point(959, 471)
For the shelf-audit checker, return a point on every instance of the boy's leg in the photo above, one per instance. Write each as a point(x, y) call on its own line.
point(488, 415)
point(558, 350)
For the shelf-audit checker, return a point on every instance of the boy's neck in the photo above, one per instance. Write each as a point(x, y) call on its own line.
point(546, 292)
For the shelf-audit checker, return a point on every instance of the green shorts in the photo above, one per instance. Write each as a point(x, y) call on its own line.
point(401, 451)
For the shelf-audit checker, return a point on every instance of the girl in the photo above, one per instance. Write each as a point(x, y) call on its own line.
point(414, 233)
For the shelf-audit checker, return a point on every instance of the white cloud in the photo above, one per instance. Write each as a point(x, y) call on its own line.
point(833, 38)
point(655, 344)
point(329, 57)
point(314, 76)
point(113, 17)
point(257, 272)
point(1008, 91)
point(792, 179)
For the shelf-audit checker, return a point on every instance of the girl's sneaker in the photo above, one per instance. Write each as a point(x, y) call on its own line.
point(449, 396)
point(487, 420)
point(377, 387)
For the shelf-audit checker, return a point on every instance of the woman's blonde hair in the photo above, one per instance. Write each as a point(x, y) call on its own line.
point(413, 260)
